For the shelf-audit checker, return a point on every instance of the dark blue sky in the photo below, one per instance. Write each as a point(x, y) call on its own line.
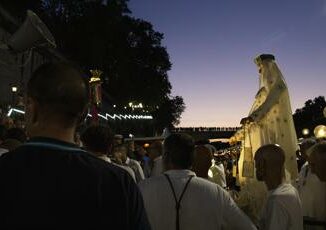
point(212, 44)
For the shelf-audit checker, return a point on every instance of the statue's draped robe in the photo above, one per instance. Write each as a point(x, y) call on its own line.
point(273, 124)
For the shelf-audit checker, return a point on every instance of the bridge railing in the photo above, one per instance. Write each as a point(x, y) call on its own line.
point(205, 129)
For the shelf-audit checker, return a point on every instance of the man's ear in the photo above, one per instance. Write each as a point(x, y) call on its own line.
point(32, 108)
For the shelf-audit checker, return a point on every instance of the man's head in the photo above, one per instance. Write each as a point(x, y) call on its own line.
point(8, 122)
point(118, 139)
point(120, 152)
point(269, 162)
point(179, 150)
point(155, 149)
point(97, 139)
point(57, 94)
point(305, 146)
point(203, 161)
point(317, 160)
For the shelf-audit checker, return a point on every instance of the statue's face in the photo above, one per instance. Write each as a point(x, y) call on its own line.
point(260, 68)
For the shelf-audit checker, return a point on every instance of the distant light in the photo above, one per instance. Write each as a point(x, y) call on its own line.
point(114, 106)
point(125, 107)
point(130, 104)
point(305, 132)
point(15, 110)
point(140, 105)
point(131, 136)
point(320, 131)
point(146, 145)
point(105, 116)
point(14, 89)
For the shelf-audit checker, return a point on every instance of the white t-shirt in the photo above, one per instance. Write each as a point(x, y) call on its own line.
point(135, 166)
point(157, 166)
point(204, 205)
point(282, 210)
point(2, 151)
point(312, 192)
point(128, 169)
point(217, 174)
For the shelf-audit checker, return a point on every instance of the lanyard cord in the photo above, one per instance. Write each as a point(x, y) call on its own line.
point(177, 202)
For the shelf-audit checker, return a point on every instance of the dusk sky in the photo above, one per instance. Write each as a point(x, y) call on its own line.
point(212, 44)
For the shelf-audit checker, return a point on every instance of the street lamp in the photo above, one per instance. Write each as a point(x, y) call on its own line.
point(320, 131)
point(305, 132)
point(14, 89)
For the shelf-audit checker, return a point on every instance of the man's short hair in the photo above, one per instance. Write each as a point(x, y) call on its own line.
point(179, 149)
point(158, 146)
point(61, 91)
point(319, 148)
point(273, 154)
point(97, 138)
point(307, 143)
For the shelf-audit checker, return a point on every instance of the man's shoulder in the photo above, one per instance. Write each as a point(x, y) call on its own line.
point(197, 182)
point(286, 194)
point(80, 159)
point(133, 161)
point(152, 181)
point(284, 189)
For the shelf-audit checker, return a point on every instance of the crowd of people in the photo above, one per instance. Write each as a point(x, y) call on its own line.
point(52, 177)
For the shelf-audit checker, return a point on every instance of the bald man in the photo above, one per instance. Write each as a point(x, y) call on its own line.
point(283, 207)
point(202, 161)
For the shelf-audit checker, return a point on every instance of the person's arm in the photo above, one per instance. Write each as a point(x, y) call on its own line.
point(271, 99)
point(233, 217)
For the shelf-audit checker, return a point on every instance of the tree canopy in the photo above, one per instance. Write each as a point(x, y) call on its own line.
point(310, 115)
point(103, 35)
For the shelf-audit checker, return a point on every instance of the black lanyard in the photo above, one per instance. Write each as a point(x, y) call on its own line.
point(177, 202)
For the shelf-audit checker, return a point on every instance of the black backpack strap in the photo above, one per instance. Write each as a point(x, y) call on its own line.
point(178, 202)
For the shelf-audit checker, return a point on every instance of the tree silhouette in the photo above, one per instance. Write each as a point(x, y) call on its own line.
point(169, 113)
point(310, 115)
point(103, 35)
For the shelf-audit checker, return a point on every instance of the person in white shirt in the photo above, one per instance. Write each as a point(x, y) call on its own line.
point(317, 160)
point(122, 151)
point(155, 151)
point(283, 209)
point(98, 140)
point(3, 151)
point(216, 171)
point(177, 199)
point(312, 190)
